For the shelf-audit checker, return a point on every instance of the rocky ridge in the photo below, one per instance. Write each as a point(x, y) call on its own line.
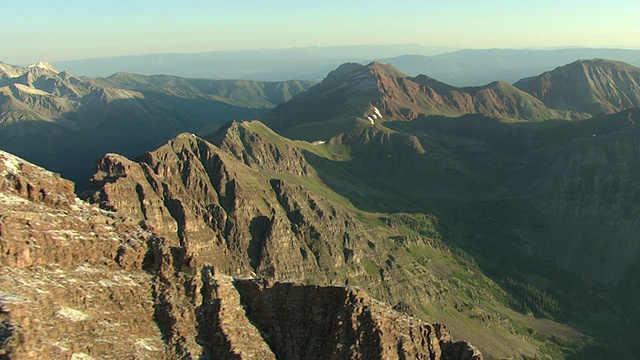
point(82, 282)
point(71, 274)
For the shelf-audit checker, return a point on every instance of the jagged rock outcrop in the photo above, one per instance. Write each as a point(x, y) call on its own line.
point(82, 283)
point(71, 278)
point(222, 210)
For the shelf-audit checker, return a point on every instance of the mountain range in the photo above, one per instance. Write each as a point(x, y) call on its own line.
point(305, 63)
point(469, 67)
point(506, 212)
point(76, 119)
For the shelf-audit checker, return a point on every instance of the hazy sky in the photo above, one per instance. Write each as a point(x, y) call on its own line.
point(55, 30)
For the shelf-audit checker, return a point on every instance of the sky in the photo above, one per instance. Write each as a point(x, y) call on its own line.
point(55, 30)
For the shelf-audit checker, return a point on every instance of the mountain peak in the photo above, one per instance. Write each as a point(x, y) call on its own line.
point(602, 62)
point(595, 86)
point(384, 67)
point(45, 66)
point(375, 68)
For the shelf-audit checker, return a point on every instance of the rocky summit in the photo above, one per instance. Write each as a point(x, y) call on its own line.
point(80, 282)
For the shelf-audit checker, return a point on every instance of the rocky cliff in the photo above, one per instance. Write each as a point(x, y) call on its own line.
point(82, 283)
point(71, 278)
point(221, 209)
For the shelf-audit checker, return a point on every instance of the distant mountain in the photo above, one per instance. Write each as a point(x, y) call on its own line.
point(65, 122)
point(478, 67)
point(375, 92)
point(245, 93)
point(592, 86)
point(305, 63)
point(470, 67)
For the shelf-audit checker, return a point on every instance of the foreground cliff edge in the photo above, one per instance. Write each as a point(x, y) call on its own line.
point(80, 282)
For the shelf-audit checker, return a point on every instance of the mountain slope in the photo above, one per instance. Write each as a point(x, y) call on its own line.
point(593, 86)
point(76, 120)
point(544, 205)
point(255, 203)
point(378, 91)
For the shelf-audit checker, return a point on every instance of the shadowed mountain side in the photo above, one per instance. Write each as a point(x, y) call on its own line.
point(564, 170)
point(126, 126)
point(66, 122)
point(549, 204)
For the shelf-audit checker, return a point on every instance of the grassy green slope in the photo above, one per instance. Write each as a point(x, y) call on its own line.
point(412, 263)
point(521, 198)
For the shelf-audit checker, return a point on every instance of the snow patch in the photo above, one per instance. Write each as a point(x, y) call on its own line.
point(44, 65)
point(72, 314)
point(375, 109)
point(371, 120)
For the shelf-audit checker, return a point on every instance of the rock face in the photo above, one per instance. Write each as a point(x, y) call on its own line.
point(220, 209)
point(80, 282)
point(71, 278)
point(352, 325)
